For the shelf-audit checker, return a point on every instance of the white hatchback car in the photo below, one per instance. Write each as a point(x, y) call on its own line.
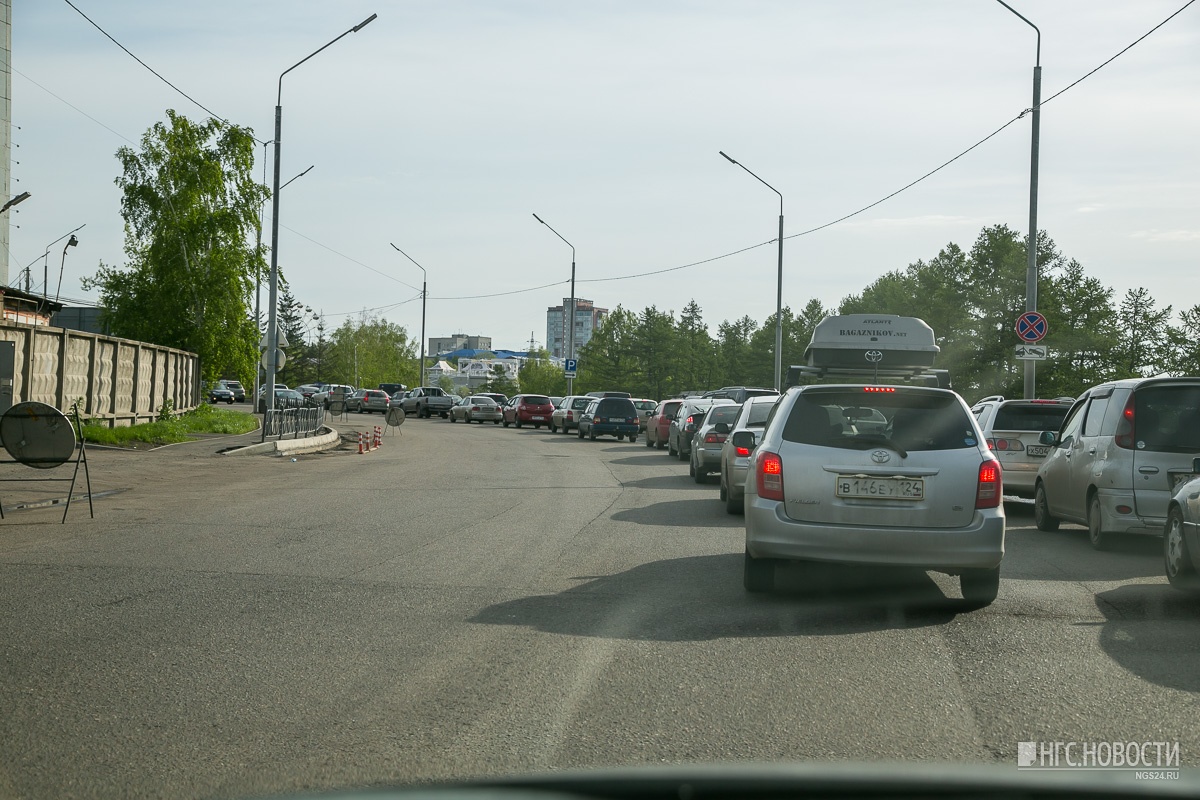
point(875, 475)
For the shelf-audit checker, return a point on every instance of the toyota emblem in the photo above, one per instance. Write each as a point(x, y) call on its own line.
point(874, 356)
point(881, 456)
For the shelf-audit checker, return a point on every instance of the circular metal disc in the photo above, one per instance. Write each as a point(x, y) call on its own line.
point(37, 435)
point(337, 407)
point(395, 416)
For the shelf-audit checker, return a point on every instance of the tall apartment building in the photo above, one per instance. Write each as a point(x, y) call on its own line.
point(587, 319)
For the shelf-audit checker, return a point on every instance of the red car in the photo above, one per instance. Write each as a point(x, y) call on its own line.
point(658, 427)
point(528, 409)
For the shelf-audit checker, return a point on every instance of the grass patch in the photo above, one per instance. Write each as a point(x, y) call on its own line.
point(178, 428)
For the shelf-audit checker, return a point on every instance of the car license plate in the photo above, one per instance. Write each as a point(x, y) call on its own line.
point(537, 419)
point(1180, 478)
point(1037, 451)
point(862, 486)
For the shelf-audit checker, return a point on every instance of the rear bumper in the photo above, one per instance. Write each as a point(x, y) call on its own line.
point(708, 458)
point(614, 429)
point(769, 534)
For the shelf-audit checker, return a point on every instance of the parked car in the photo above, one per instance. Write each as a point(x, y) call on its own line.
point(735, 459)
point(645, 409)
point(609, 416)
point(1181, 535)
point(609, 394)
point(477, 408)
point(364, 401)
point(1121, 454)
point(528, 409)
point(289, 398)
point(426, 401)
point(239, 391)
point(710, 438)
point(501, 399)
point(687, 420)
point(220, 393)
point(925, 491)
point(329, 392)
point(392, 388)
point(658, 427)
point(567, 412)
point(309, 389)
point(1011, 429)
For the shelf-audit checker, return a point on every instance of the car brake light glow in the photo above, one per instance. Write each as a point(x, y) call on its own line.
point(714, 438)
point(990, 489)
point(741, 452)
point(879, 388)
point(768, 468)
point(1124, 433)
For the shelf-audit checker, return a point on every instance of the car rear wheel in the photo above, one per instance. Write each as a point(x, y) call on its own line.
point(517, 422)
point(648, 442)
point(1100, 538)
point(700, 475)
point(1042, 517)
point(758, 574)
point(670, 447)
point(495, 422)
point(452, 419)
point(724, 491)
point(592, 434)
point(632, 438)
point(980, 586)
point(682, 456)
point(658, 445)
point(1176, 556)
point(553, 429)
point(580, 432)
point(692, 468)
point(734, 503)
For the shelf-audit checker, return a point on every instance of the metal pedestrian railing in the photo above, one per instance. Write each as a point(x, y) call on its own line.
point(295, 422)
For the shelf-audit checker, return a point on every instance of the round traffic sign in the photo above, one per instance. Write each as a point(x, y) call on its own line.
point(1032, 327)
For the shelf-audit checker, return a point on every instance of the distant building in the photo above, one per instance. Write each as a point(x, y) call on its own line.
point(587, 319)
point(25, 308)
point(80, 318)
point(459, 341)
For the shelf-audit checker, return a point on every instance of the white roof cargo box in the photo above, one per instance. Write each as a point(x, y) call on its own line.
point(872, 341)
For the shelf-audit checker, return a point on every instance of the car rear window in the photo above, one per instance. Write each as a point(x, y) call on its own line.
point(580, 402)
point(483, 401)
point(1019, 417)
point(727, 413)
point(1167, 418)
point(536, 400)
point(645, 405)
point(615, 407)
point(858, 418)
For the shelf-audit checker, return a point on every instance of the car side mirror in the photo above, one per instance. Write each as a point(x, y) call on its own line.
point(744, 439)
point(721, 427)
point(1048, 437)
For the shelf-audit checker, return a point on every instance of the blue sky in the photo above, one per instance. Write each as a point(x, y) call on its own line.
point(443, 126)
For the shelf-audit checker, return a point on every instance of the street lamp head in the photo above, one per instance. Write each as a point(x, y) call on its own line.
point(727, 158)
point(365, 23)
point(539, 219)
point(72, 242)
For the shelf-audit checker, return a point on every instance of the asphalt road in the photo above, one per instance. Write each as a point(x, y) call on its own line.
point(475, 600)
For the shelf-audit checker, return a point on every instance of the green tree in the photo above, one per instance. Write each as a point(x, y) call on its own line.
point(696, 350)
point(190, 206)
point(498, 381)
point(369, 351)
point(655, 348)
point(539, 375)
point(1143, 347)
point(1184, 344)
point(733, 351)
point(607, 360)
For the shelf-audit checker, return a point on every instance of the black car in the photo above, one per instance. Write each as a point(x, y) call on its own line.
point(610, 416)
point(220, 394)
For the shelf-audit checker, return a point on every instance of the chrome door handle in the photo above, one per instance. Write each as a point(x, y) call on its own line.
point(1148, 470)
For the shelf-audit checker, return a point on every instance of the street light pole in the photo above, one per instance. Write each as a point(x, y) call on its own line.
point(272, 314)
point(424, 296)
point(1031, 268)
point(779, 280)
point(72, 242)
point(571, 322)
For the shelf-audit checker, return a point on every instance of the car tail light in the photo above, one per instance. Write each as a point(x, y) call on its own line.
point(1006, 445)
point(879, 388)
point(768, 468)
point(741, 452)
point(990, 490)
point(714, 438)
point(570, 416)
point(1124, 434)
point(476, 408)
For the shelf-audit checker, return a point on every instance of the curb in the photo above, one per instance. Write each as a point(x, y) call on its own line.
point(288, 446)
